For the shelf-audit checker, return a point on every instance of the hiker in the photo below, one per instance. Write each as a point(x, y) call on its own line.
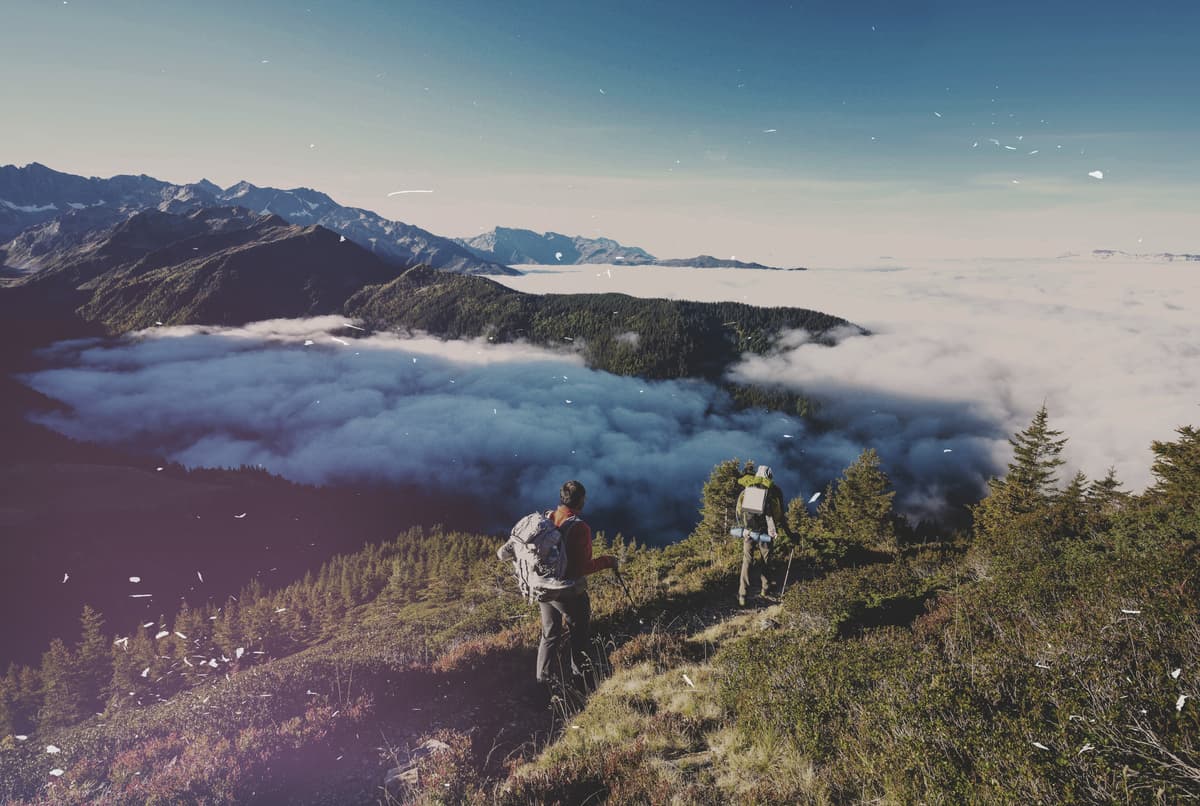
point(760, 512)
point(562, 594)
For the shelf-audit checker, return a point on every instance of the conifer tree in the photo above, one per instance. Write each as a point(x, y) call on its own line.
point(1032, 472)
point(94, 660)
point(62, 703)
point(8, 685)
point(28, 698)
point(1105, 496)
point(859, 508)
point(1031, 475)
point(718, 499)
point(1176, 470)
point(1071, 508)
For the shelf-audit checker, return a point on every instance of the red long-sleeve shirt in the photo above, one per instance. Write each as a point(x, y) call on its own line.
point(580, 562)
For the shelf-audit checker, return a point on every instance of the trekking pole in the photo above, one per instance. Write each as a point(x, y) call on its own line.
point(624, 587)
point(783, 590)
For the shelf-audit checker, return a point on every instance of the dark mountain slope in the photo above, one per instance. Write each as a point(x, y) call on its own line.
point(653, 338)
point(283, 271)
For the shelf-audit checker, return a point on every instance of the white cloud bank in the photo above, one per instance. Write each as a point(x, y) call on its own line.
point(1112, 348)
point(961, 356)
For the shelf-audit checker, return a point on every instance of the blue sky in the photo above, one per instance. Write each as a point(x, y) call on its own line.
point(646, 122)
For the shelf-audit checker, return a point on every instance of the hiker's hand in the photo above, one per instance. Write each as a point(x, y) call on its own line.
point(610, 561)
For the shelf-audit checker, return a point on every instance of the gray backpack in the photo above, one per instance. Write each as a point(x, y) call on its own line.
point(539, 556)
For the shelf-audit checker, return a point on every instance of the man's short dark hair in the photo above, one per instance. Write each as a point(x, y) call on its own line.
point(572, 494)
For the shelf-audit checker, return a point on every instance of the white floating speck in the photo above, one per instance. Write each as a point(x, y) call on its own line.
point(787, 436)
point(567, 402)
point(199, 576)
point(401, 192)
point(1085, 748)
point(1175, 674)
point(1096, 174)
point(355, 327)
point(21, 737)
point(162, 634)
point(148, 624)
point(65, 578)
point(239, 517)
point(688, 680)
point(770, 131)
point(146, 672)
point(341, 239)
point(558, 255)
point(602, 92)
point(947, 450)
point(1011, 148)
point(159, 469)
point(1040, 746)
point(1179, 702)
point(815, 496)
point(52, 750)
point(1131, 612)
point(309, 342)
point(1041, 665)
point(135, 580)
point(57, 771)
point(181, 635)
point(237, 653)
point(140, 595)
point(280, 609)
point(339, 341)
point(937, 114)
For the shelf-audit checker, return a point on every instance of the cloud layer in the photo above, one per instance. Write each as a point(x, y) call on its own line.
point(507, 423)
point(961, 357)
point(963, 353)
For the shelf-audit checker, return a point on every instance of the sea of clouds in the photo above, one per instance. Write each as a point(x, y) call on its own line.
point(960, 356)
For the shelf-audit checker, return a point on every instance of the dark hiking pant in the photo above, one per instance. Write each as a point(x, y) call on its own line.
point(575, 610)
point(753, 550)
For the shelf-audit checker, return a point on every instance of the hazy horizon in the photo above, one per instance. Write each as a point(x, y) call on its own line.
point(791, 135)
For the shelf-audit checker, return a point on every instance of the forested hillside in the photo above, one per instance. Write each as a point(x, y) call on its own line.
point(1049, 655)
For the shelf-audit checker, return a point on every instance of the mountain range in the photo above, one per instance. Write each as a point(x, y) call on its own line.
point(521, 246)
point(37, 195)
point(43, 211)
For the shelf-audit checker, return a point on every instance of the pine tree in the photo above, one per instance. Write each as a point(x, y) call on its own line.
point(62, 703)
point(8, 693)
point(94, 660)
point(718, 499)
point(1031, 473)
point(859, 508)
point(1176, 470)
point(1029, 483)
point(28, 699)
point(1070, 517)
point(1105, 496)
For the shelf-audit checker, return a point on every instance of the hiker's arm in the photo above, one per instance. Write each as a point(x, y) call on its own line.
point(506, 551)
point(581, 548)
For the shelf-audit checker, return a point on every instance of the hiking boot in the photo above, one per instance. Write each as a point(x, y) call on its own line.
point(741, 601)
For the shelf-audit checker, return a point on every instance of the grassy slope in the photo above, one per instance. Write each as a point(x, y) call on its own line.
point(830, 697)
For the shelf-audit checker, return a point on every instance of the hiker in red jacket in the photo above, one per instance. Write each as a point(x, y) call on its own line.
point(571, 605)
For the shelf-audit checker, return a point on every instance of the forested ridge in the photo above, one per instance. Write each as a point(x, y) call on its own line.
point(1049, 654)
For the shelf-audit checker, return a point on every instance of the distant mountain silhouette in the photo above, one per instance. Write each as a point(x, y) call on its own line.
point(35, 195)
point(522, 246)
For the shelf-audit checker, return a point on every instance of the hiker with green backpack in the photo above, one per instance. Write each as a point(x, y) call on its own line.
point(760, 518)
point(551, 553)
